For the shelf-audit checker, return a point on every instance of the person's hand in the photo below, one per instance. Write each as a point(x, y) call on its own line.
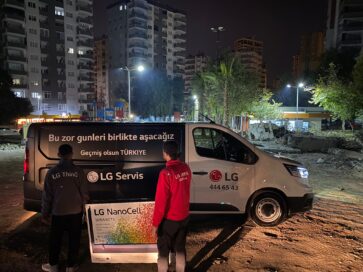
point(155, 231)
point(45, 220)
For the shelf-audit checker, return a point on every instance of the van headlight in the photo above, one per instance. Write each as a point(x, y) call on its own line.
point(297, 171)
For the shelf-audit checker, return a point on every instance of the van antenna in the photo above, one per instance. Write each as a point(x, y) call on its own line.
point(206, 117)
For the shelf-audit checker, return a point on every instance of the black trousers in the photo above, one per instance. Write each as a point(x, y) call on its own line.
point(172, 236)
point(65, 223)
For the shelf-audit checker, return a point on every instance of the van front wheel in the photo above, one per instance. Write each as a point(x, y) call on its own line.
point(268, 209)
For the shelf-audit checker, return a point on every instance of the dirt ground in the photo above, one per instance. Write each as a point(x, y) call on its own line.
point(329, 238)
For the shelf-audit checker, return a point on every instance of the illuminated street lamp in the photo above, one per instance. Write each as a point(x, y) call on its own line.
point(38, 98)
point(140, 69)
point(196, 107)
point(300, 85)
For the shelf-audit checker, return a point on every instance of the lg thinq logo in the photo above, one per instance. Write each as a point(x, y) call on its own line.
point(92, 176)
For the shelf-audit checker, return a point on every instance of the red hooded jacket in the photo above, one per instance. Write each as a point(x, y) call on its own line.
point(172, 192)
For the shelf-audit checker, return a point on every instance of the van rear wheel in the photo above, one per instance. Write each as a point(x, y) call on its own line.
point(268, 209)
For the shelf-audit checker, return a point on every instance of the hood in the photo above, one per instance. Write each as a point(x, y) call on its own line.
point(287, 160)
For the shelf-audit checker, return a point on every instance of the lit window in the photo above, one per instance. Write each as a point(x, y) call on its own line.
point(80, 52)
point(70, 50)
point(59, 11)
point(121, 7)
point(62, 107)
point(125, 7)
point(35, 83)
point(35, 95)
point(16, 81)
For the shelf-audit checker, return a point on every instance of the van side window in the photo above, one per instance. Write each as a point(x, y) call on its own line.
point(213, 143)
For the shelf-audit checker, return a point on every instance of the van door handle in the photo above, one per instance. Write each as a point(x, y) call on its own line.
point(200, 173)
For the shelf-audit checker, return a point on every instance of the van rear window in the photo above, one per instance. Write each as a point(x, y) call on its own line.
point(109, 142)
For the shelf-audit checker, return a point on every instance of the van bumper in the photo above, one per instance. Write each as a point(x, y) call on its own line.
point(300, 204)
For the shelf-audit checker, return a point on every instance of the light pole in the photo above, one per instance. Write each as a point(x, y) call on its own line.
point(139, 68)
point(300, 85)
point(39, 97)
point(196, 108)
point(217, 30)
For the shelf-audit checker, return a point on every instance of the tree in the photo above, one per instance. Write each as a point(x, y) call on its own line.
point(228, 87)
point(265, 108)
point(337, 96)
point(11, 107)
point(156, 95)
point(358, 83)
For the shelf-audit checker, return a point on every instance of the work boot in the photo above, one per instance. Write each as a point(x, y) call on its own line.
point(49, 268)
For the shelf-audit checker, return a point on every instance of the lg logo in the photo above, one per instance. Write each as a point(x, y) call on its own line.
point(92, 176)
point(216, 176)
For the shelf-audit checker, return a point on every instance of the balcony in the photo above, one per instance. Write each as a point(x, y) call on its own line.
point(138, 35)
point(138, 45)
point(180, 45)
point(348, 28)
point(180, 28)
point(137, 55)
point(138, 14)
point(82, 66)
point(16, 58)
point(351, 42)
point(20, 86)
point(87, 20)
point(60, 52)
point(85, 56)
point(179, 54)
point(87, 43)
point(138, 5)
point(44, 62)
point(15, 30)
point(178, 62)
point(85, 32)
point(44, 49)
point(85, 89)
point(180, 19)
point(15, 44)
point(14, 17)
point(61, 76)
point(44, 24)
point(86, 9)
point(180, 37)
point(14, 4)
point(44, 38)
point(138, 25)
point(85, 78)
point(352, 15)
point(43, 11)
point(17, 72)
point(178, 71)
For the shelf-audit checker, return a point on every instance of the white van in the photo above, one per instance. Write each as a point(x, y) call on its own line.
point(122, 162)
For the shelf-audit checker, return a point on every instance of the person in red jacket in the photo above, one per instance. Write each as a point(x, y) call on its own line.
point(171, 212)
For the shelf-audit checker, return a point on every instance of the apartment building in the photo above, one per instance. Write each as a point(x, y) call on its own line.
point(250, 51)
point(193, 64)
point(345, 25)
point(101, 72)
point(310, 53)
point(144, 32)
point(48, 51)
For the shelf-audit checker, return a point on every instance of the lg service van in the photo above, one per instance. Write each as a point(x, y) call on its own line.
point(122, 162)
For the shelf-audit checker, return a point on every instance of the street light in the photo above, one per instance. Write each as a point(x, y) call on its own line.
point(300, 85)
point(218, 30)
point(39, 97)
point(196, 108)
point(139, 68)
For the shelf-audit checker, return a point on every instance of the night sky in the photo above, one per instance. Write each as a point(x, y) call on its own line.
point(278, 23)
